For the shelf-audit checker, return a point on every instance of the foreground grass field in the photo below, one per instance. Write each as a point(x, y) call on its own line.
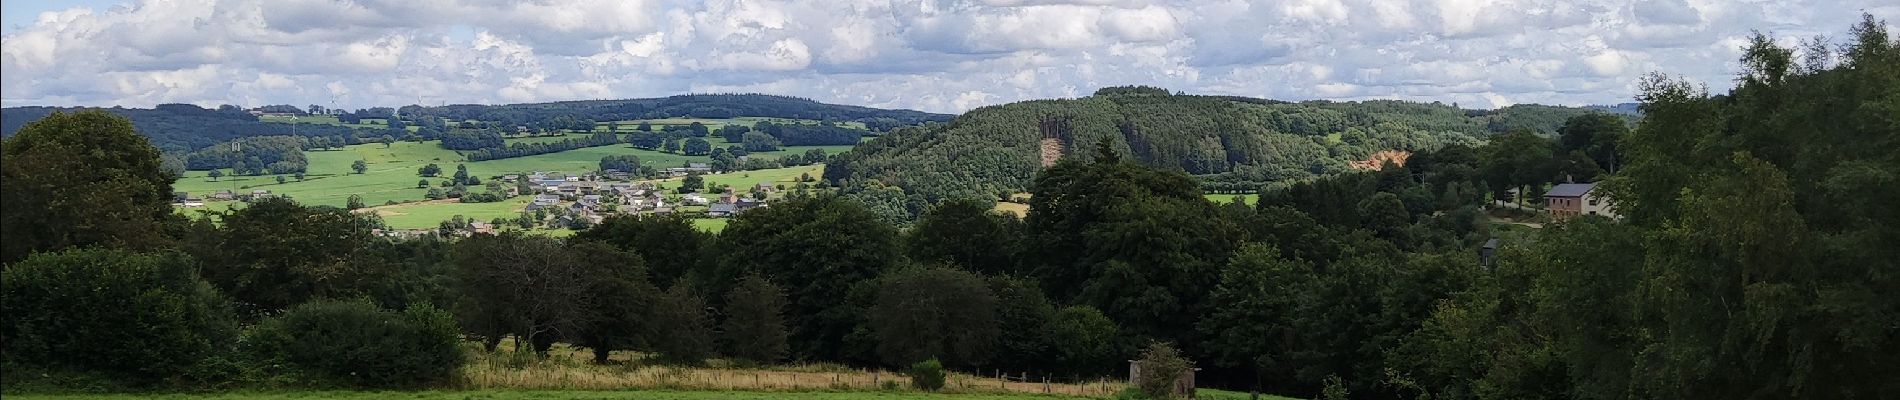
point(554, 395)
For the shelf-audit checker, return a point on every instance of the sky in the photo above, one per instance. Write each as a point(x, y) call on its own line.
point(932, 55)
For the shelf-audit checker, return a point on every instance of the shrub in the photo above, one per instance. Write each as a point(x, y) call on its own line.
point(927, 375)
point(1335, 389)
point(139, 318)
point(1159, 367)
point(356, 344)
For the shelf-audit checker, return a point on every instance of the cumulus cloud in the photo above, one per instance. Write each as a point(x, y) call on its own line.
point(935, 55)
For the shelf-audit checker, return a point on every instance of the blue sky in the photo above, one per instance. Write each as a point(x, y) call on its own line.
point(933, 55)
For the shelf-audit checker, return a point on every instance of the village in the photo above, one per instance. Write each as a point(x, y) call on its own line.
point(558, 200)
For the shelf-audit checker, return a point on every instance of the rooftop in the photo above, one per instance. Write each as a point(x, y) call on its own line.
point(1570, 190)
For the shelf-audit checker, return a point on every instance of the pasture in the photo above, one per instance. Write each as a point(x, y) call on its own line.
point(1249, 198)
point(389, 184)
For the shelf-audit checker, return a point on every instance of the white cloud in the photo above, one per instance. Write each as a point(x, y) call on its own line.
point(936, 55)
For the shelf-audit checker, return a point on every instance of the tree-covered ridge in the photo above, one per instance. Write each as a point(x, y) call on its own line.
point(682, 106)
point(1243, 143)
point(181, 127)
point(184, 127)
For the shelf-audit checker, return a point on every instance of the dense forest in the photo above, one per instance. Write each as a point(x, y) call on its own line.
point(182, 128)
point(1754, 258)
point(715, 106)
point(1226, 141)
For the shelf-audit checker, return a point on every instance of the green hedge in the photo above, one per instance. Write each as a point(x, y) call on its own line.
point(130, 317)
point(354, 343)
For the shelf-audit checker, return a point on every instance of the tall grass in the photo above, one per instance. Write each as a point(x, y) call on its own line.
point(568, 368)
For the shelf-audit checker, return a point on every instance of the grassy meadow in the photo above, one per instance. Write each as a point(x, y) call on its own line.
point(389, 183)
point(1249, 198)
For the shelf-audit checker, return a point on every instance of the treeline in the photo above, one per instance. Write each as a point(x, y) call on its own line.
point(473, 139)
point(253, 156)
point(579, 115)
point(820, 134)
point(182, 128)
point(528, 149)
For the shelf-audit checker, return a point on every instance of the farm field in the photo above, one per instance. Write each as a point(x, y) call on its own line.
point(1249, 198)
point(389, 184)
point(744, 180)
point(427, 214)
point(1020, 210)
point(392, 171)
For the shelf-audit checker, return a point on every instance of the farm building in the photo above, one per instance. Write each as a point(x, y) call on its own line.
point(1576, 199)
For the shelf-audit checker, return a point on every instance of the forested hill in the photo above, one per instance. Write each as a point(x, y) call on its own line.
point(180, 127)
point(185, 127)
point(692, 105)
point(1227, 141)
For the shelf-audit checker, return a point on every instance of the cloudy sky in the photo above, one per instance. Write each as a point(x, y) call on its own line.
point(933, 55)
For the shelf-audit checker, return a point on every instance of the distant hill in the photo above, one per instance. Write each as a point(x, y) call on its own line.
point(184, 127)
point(682, 106)
point(180, 127)
point(1629, 109)
point(1231, 143)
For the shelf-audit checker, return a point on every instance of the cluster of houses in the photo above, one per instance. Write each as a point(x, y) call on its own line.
point(690, 168)
point(595, 196)
point(184, 199)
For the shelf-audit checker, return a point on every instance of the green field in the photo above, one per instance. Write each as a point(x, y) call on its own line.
point(1216, 394)
point(552, 395)
point(1250, 198)
point(392, 177)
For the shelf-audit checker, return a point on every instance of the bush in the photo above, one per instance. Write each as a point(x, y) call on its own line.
point(927, 375)
point(1335, 389)
point(1158, 369)
point(132, 317)
point(354, 343)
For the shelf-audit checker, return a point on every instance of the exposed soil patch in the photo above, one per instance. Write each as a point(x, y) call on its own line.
point(1378, 160)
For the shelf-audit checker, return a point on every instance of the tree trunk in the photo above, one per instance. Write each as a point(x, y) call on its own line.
point(601, 353)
